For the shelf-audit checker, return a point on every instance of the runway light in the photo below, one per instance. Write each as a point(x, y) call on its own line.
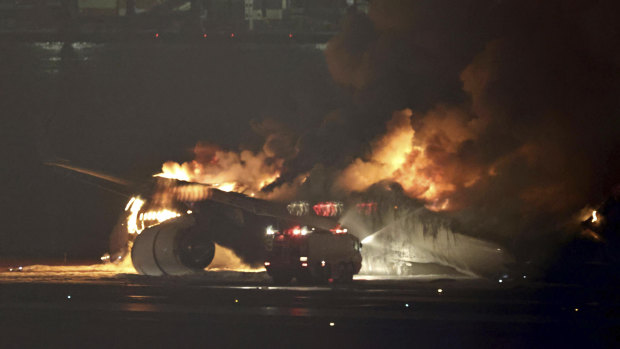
point(500, 281)
point(576, 309)
point(332, 324)
point(525, 276)
point(406, 305)
point(236, 301)
point(439, 290)
point(69, 297)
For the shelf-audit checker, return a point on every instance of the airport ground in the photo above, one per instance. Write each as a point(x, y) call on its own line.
point(232, 309)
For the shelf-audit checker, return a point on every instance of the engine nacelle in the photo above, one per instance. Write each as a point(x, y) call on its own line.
point(172, 248)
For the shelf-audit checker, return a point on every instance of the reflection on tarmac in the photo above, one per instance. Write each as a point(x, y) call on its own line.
point(247, 310)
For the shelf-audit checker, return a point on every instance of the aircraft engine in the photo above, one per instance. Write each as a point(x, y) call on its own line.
point(173, 247)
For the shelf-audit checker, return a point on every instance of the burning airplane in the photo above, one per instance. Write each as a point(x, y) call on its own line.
point(180, 240)
point(172, 226)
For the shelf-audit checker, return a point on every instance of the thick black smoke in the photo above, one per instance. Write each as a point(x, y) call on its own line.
point(538, 81)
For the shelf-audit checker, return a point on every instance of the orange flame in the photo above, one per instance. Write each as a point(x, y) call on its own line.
point(245, 172)
point(594, 217)
point(413, 160)
point(225, 170)
point(138, 220)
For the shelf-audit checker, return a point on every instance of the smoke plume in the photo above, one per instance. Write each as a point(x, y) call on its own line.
point(513, 123)
point(503, 115)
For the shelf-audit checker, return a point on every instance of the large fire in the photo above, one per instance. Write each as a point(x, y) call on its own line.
point(414, 160)
point(139, 218)
point(243, 172)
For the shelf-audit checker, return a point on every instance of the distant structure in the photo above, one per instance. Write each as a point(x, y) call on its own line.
point(301, 15)
point(288, 17)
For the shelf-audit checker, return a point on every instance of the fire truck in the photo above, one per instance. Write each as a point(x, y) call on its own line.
point(313, 255)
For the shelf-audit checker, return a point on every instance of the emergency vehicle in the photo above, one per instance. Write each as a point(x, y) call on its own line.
point(313, 255)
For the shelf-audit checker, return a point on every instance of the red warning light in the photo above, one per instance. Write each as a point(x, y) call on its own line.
point(339, 230)
point(296, 231)
point(232, 35)
point(290, 35)
point(156, 35)
point(204, 36)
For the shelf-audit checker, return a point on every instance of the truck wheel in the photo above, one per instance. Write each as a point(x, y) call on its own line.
point(345, 272)
point(282, 279)
point(323, 274)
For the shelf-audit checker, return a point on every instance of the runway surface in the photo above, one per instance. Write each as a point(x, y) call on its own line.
point(85, 307)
